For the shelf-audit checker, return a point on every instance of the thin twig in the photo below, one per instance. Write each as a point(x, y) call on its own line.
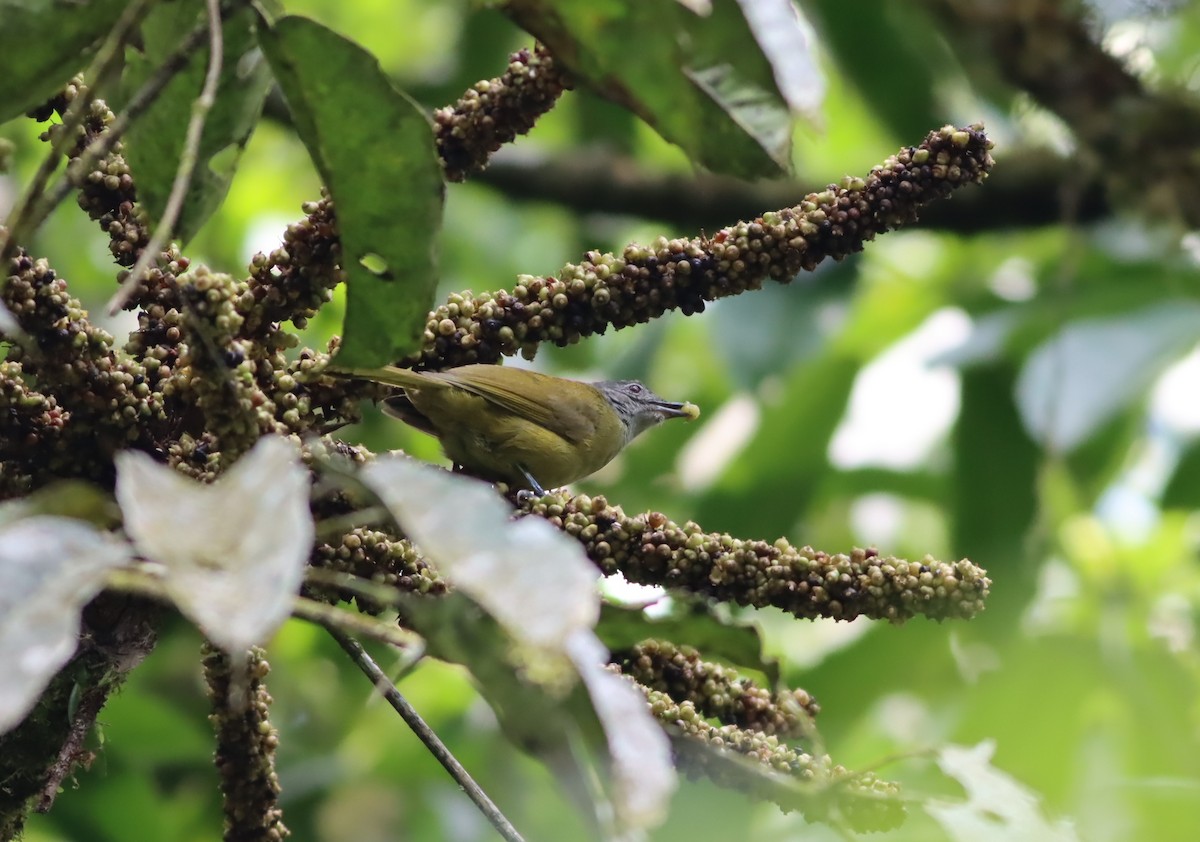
point(333, 618)
point(97, 75)
point(72, 752)
point(187, 160)
point(138, 103)
point(427, 736)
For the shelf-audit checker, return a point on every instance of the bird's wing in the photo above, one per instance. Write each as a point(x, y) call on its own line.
point(562, 416)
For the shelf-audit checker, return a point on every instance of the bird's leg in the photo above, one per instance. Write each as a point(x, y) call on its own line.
point(537, 488)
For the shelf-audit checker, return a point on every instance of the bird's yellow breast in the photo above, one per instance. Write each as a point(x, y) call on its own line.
point(494, 442)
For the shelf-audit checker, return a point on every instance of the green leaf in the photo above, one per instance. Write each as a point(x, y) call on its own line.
point(1183, 489)
point(787, 324)
point(772, 482)
point(992, 493)
point(45, 43)
point(702, 82)
point(899, 81)
point(374, 148)
point(156, 139)
point(70, 498)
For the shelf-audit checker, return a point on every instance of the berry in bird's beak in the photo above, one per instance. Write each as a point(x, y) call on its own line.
point(678, 410)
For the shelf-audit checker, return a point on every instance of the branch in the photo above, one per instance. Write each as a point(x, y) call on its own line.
point(1139, 141)
point(650, 549)
point(426, 735)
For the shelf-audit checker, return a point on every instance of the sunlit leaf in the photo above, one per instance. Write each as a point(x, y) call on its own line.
point(234, 551)
point(643, 775)
point(374, 148)
point(50, 567)
point(535, 580)
point(789, 45)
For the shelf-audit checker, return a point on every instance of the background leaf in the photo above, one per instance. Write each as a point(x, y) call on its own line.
point(46, 44)
point(702, 82)
point(156, 139)
point(1075, 382)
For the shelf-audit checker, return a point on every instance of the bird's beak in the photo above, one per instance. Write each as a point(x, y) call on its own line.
point(668, 409)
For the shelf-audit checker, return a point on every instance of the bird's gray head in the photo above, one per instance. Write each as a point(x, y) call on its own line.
point(639, 408)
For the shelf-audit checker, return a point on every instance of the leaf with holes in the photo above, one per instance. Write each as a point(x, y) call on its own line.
point(374, 148)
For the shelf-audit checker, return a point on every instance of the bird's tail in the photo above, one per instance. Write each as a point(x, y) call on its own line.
point(389, 375)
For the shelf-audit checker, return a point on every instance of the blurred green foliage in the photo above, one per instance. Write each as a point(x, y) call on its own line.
point(1084, 670)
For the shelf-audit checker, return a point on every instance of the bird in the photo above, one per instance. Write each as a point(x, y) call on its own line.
point(527, 429)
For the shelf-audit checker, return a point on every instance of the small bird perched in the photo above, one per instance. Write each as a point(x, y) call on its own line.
point(527, 429)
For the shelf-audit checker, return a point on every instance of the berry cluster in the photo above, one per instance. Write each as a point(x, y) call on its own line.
point(104, 395)
point(246, 743)
point(643, 282)
point(717, 691)
point(803, 782)
point(649, 549)
point(495, 111)
point(380, 557)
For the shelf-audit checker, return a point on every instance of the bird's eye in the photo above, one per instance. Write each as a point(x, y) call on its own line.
point(635, 388)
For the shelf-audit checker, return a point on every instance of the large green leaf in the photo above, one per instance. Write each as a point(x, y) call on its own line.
point(45, 43)
point(1183, 489)
point(898, 81)
point(156, 139)
point(374, 148)
point(994, 491)
point(703, 82)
